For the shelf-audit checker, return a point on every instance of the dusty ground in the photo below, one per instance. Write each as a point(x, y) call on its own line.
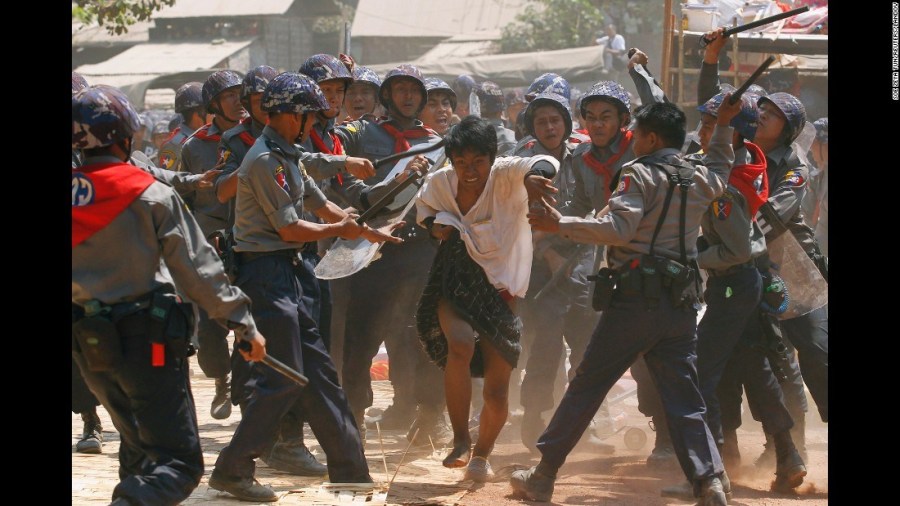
point(586, 479)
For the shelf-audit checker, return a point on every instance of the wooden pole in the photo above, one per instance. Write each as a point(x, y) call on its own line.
point(668, 21)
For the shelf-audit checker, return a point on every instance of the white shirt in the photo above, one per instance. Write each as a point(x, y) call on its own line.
point(495, 230)
point(618, 42)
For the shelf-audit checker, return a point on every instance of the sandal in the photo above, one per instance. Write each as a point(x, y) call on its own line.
point(479, 470)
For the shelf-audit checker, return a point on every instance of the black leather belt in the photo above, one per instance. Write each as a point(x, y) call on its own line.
point(247, 256)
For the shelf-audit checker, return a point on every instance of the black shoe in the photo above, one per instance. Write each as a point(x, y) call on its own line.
point(685, 490)
point(221, 403)
point(789, 473)
point(92, 434)
point(294, 458)
point(397, 418)
point(662, 457)
point(712, 493)
point(245, 489)
point(767, 459)
point(532, 485)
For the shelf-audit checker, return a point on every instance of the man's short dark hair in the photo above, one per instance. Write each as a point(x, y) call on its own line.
point(665, 120)
point(472, 133)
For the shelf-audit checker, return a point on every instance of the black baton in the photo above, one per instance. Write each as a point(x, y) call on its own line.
point(389, 197)
point(754, 24)
point(278, 365)
point(753, 77)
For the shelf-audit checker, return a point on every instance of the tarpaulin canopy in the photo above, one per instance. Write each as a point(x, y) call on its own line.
point(582, 64)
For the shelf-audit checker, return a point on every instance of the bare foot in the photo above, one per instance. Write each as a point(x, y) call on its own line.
point(459, 456)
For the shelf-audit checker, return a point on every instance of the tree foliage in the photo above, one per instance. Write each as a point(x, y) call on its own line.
point(116, 15)
point(553, 24)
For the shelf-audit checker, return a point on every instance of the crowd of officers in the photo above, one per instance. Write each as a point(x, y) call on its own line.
point(264, 171)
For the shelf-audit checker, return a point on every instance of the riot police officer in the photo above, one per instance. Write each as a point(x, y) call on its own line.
point(130, 332)
point(189, 105)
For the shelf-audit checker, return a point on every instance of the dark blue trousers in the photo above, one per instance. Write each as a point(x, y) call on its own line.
point(273, 283)
point(160, 461)
point(212, 350)
point(731, 301)
point(82, 398)
point(809, 335)
point(667, 337)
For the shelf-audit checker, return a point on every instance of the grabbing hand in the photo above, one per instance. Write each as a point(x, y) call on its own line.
point(208, 179)
point(539, 188)
point(638, 58)
point(383, 234)
point(728, 111)
point(716, 42)
point(542, 216)
point(257, 348)
point(418, 165)
point(360, 168)
point(348, 228)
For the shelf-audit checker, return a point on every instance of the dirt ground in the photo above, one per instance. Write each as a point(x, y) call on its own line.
point(587, 478)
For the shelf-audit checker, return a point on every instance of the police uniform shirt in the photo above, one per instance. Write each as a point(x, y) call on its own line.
point(233, 146)
point(198, 156)
point(788, 180)
point(367, 139)
point(729, 229)
point(124, 261)
point(636, 205)
point(322, 166)
point(272, 192)
point(170, 152)
point(506, 138)
point(183, 182)
point(592, 190)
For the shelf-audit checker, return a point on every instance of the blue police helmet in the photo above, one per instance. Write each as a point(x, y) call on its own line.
point(551, 82)
point(609, 91)
point(746, 122)
point(757, 90)
point(404, 70)
point(216, 83)
point(293, 92)
point(463, 85)
point(515, 96)
point(792, 109)
point(545, 98)
point(821, 125)
point(102, 116)
point(490, 97)
point(366, 75)
point(78, 82)
point(188, 96)
point(256, 80)
point(435, 84)
point(324, 67)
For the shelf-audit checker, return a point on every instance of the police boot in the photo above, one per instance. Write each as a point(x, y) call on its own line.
point(766, 459)
point(731, 454)
point(245, 489)
point(798, 434)
point(789, 468)
point(397, 417)
point(293, 457)
point(221, 403)
point(711, 492)
point(92, 434)
point(431, 424)
point(663, 454)
point(685, 490)
point(535, 484)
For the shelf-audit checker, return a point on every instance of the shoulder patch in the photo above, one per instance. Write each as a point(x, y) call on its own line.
point(351, 128)
point(167, 159)
point(793, 178)
point(722, 207)
point(624, 181)
point(280, 179)
point(82, 190)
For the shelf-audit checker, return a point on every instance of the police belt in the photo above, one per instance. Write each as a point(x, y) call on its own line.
point(734, 269)
point(249, 256)
point(123, 310)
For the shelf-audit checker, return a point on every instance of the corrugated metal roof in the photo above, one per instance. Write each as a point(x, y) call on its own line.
point(223, 8)
point(405, 18)
point(157, 59)
point(86, 35)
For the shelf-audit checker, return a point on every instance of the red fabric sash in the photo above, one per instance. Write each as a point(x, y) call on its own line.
point(400, 138)
point(605, 168)
point(203, 134)
point(100, 192)
point(743, 176)
point(245, 136)
point(172, 135)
